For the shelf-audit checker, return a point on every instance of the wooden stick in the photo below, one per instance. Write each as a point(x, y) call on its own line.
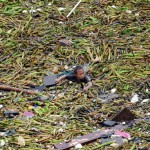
point(82, 140)
point(74, 8)
point(9, 88)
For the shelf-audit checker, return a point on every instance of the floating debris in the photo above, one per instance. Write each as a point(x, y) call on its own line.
point(50, 80)
point(24, 11)
point(80, 140)
point(28, 114)
point(137, 14)
point(113, 90)
point(113, 6)
point(110, 39)
point(1, 106)
point(145, 101)
point(128, 11)
point(2, 143)
point(11, 114)
point(124, 115)
point(78, 146)
point(123, 134)
point(109, 123)
point(106, 98)
point(134, 99)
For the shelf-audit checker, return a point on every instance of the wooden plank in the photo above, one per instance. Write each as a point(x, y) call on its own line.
point(82, 140)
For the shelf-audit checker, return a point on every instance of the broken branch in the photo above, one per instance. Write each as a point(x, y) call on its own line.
point(9, 88)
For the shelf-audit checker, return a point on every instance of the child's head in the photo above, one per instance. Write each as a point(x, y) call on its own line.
point(79, 72)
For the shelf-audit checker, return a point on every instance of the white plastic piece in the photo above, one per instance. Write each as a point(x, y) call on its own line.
point(61, 8)
point(114, 136)
point(61, 130)
point(1, 106)
point(137, 14)
point(39, 9)
point(70, 82)
point(49, 4)
point(113, 90)
point(128, 11)
point(2, 143)
point(113, 6)
point(24, 11)
point(60, 22)
point(147, 90)
point(123, 123)
point(32, 10)
point(148, 114)
point(78, 146)
point(145, 101)
point(61, 123)
point(134, 99)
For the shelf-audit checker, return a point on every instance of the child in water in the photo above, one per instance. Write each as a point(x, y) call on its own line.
point(78, 76)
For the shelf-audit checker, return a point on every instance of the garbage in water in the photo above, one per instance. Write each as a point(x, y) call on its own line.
point(109, 123)
point(43, 98)
point(81, 140)
point(10, 114)
point(39, 88)
point(137, 140)
point(7, 133)
point(134, 99)
point(1, 106)
point(123, 134)
point(50, 80)
point(124, 115)
point(61, 130)
point(2, 143)
point(28, 114)
point(109, 39)
point(106, 98)
point(78, 146)
point(145, 101)
point(113, 90)
point(102, 141)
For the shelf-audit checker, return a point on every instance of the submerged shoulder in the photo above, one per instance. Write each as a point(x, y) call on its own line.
point(87, 78)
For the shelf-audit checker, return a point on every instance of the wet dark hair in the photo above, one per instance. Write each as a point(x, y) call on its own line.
point(77, 68)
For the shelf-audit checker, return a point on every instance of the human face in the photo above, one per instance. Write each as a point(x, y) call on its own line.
point(80, 74)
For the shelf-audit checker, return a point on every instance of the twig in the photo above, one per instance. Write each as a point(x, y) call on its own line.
point(74, 8)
